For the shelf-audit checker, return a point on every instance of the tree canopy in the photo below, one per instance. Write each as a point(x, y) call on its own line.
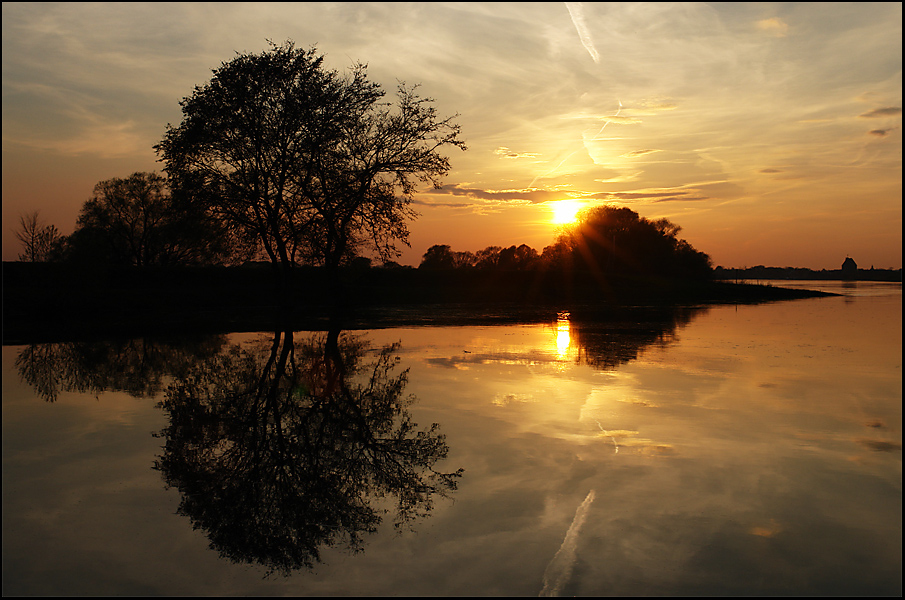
point(307, 163)
point(136, 221)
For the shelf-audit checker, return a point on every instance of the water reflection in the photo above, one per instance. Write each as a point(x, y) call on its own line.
point(607, 341)
point(759, 452)
point(139, 367)
point(563, 334)
point(279, 448)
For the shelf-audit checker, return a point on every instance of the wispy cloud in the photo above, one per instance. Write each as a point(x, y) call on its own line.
point(532, 195)
point(886, 111)
point(576, 11)
point(637, 153)
point(622, 120)
point(773, 26)
point(767, 531)
point(676, 195)
point(880, 446)
point(105, 140)
point(505, 152)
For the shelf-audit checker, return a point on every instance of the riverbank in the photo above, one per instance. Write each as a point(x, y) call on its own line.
point(43, 302)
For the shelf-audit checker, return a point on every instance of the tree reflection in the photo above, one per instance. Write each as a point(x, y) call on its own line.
point(139, 367)
point(608, 341)
point(281, 449)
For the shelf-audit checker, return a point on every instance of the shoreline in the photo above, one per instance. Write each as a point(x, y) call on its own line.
point(50, 302)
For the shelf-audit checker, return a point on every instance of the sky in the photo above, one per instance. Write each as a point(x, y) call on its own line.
point(770, 132)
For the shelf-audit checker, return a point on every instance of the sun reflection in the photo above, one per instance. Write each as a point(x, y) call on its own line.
point(563, 334)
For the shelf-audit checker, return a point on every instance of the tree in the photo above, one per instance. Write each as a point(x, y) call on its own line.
point(39, 241)
point(518, 258)
point(307, 163)
point(438, 256)
point(611, 239)
point(488, 258)
point(136, 221)
point(441, 256)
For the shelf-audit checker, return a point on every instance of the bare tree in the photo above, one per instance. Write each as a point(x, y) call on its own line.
point(38, 240)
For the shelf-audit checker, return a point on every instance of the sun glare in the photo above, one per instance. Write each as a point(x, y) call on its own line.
point(565, 211)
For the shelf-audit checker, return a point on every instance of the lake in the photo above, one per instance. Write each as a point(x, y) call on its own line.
point(722, 450)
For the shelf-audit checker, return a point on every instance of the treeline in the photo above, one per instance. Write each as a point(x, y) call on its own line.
point(798, 273)
point(135, 221)
point(606, 240)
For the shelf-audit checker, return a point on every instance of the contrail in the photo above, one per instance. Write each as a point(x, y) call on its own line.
point(559, 570)
point(607, 122)
point(571, 154)
point(576, 11)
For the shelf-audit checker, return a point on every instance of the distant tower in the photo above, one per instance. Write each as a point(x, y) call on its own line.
point(849, 268)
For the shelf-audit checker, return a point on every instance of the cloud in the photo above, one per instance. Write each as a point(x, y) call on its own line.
point(651, 196)
point(536, 196)
point(637, 153)
point(532, 195)
point(887, 111)
point(770, 171)
point(621, 120)
point(773, 26)
point(586, 116)
point(505, 152)
point(767, 531)
point(650, 107)
point(880, 132)
point(441, 204)
point(576, 11)
point(104, 140)
point(880, 446)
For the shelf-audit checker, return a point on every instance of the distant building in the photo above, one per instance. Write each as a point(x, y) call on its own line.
point(849, 268)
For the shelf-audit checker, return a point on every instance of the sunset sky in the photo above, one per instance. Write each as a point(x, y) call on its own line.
point(770, 132)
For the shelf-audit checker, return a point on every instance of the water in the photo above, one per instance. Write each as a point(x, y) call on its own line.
point(714, 451)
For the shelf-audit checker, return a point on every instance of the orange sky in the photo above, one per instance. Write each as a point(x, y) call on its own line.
point(771, 132)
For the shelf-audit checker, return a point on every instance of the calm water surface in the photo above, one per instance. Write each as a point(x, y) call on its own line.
point(722, 450)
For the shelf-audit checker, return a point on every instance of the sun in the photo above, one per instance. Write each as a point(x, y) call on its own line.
point(565, 211)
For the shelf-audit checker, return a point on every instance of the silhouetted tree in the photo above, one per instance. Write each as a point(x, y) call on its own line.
point(308, 163)
point(617, 240)
point(488, 258)
point(438, 256)
point(136, 221)
point(39, 241)
point(519, 258)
